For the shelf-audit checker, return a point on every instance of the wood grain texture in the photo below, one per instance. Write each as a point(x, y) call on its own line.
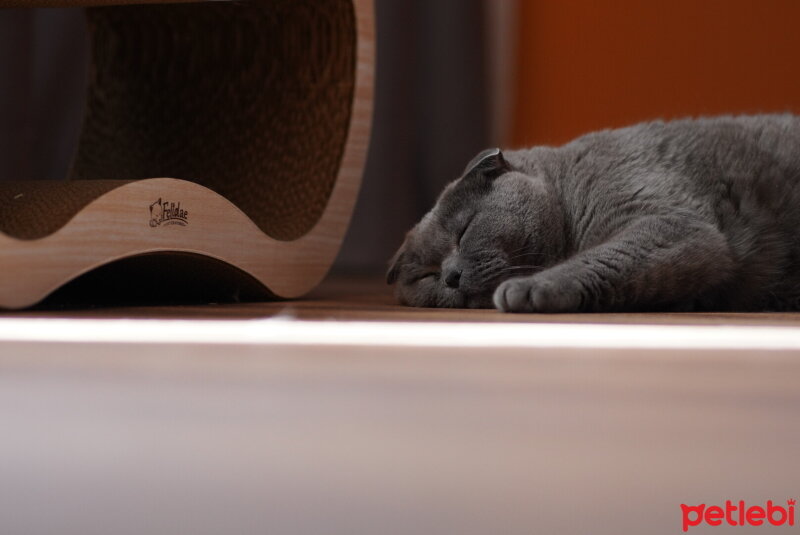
point(243, 434)
point(227, 122)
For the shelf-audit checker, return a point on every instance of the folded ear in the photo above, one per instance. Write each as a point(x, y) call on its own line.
point(394, 265)
point(489, 163)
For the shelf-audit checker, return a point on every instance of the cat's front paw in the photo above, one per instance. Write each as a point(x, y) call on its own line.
point(535, 294)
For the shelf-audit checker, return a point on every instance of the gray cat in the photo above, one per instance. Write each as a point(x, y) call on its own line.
point(684, 215)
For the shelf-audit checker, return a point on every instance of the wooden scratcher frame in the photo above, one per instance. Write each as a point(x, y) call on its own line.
point(235, 131)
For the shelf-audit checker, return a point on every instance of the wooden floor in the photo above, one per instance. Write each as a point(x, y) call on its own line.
point(359, 298)
point(271, 418)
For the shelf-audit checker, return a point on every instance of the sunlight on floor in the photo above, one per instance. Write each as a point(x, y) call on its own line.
point(401, 334)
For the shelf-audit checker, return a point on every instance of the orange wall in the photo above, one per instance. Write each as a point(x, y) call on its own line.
point(585, 65)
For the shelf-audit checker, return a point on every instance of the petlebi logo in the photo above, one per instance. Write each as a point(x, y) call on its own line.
point(738, 514)
point(168, 213)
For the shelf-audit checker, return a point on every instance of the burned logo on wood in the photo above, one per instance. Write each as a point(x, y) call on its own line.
point(168, 213)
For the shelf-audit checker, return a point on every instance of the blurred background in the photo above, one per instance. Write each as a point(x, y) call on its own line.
point(456, 76)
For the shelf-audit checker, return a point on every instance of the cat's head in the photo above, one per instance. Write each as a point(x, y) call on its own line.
point(492, 224)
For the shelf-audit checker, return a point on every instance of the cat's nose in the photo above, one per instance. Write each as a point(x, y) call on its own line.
point(453, 278)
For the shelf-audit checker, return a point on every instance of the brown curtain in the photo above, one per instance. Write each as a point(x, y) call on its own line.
point(431, 117)
point(43, 58)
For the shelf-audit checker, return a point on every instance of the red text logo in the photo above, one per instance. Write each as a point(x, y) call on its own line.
point(738, 514)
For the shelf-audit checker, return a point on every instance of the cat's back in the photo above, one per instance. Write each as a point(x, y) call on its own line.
point(744, 172)
point(750, 162)
point(755, 157)
point(703, 144)
point(726, 145)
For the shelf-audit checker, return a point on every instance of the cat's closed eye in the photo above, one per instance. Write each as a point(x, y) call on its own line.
point(424, 276)
point(464, 230)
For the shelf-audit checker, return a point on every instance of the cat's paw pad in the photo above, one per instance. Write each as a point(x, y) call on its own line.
point(531, 295)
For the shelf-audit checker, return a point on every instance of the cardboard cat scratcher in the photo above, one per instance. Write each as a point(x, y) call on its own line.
point(235, 131)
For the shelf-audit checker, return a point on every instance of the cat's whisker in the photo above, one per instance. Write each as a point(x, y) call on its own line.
point(521, 257)
point(519, 250)
point(520, 268)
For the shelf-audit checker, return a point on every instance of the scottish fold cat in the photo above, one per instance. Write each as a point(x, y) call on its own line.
point(684, 215)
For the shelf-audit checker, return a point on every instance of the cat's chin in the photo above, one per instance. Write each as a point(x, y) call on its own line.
point(478, 301)
point(457, 299)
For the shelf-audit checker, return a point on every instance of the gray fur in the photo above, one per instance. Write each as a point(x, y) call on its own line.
point(684, 215)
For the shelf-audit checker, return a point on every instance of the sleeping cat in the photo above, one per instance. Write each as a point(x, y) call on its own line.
point(684, 215)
